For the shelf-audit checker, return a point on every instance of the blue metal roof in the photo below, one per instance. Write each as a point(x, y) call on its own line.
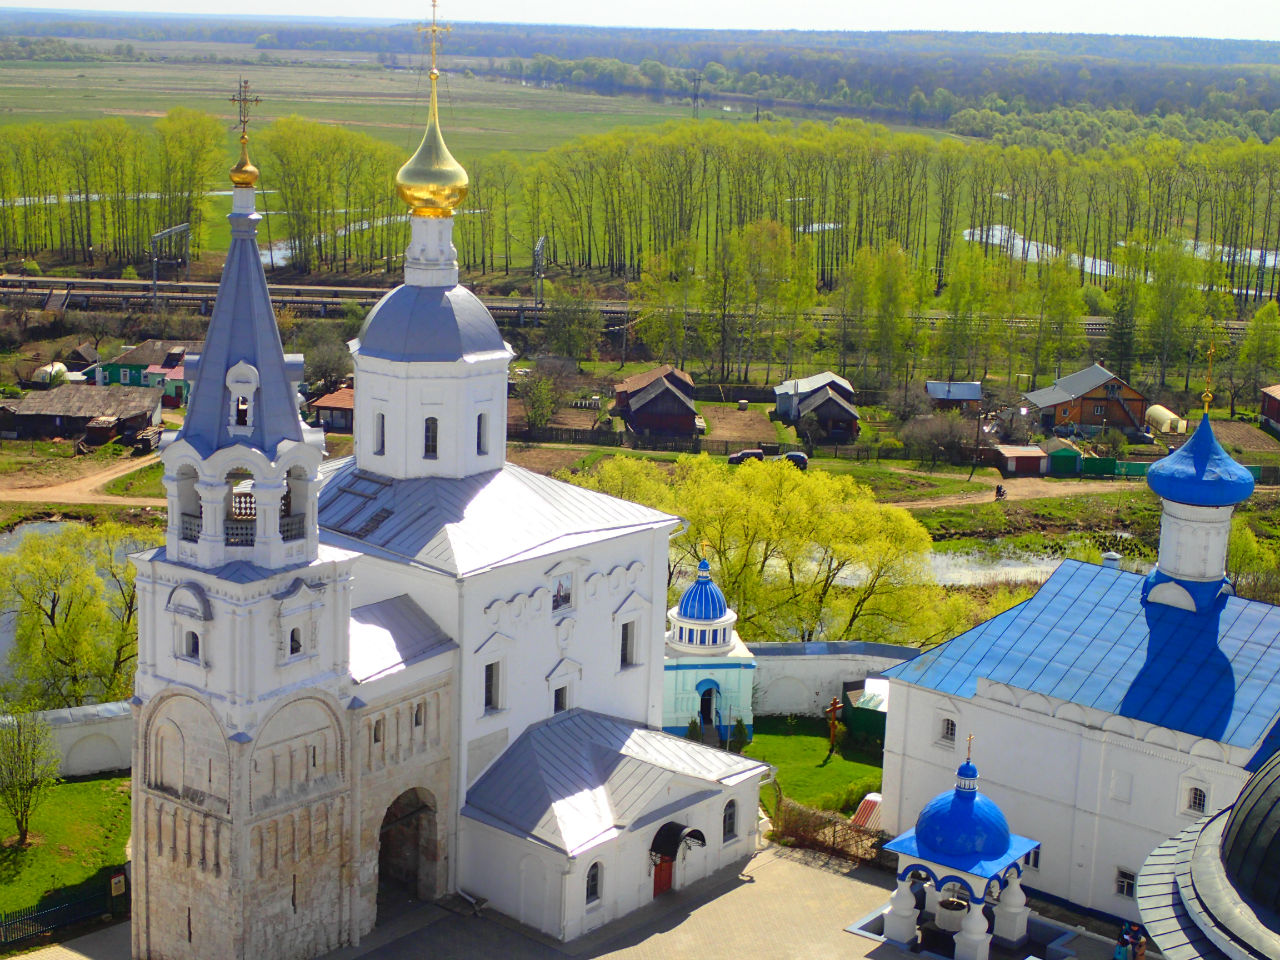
point(1087, 637)
point(242, 328)
point(703, 600)
point(1201, 473)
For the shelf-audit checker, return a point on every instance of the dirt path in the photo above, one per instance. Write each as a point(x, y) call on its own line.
point(87, 489)
point(1022, 488)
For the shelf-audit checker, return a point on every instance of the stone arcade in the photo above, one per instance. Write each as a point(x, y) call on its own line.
point(420, 667)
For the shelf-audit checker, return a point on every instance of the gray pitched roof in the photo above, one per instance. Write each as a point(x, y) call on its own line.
point(152, 351)
point(429, 324)
point(465, 525)
point(962, 390)
point(658, 387)
point(826, 395)
point(580, 778)
point(243, 328)
point(807, 384)
point(1065, 389)
point(81, 400)
point(392, 634)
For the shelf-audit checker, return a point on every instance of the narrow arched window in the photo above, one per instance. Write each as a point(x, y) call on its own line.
point(1197, 800)
point(242, 411)
point(482, 434)
point(593, 882)
point(379, 434)
point(417, 715)
point(295, 642)
point(730, 820)
point(191, 645)
point(430, 438)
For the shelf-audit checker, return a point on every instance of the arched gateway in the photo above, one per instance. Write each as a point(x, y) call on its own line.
point(407, 847)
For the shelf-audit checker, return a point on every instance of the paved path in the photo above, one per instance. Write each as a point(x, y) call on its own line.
point(785, 905)
point(87, 489)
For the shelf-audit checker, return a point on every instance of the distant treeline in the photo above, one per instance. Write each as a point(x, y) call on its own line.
point(926, 75)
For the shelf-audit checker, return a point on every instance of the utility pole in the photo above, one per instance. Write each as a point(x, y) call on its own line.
point(697, 96)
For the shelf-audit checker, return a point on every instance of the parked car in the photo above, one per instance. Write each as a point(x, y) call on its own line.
point(742, 456)
point(797, 459)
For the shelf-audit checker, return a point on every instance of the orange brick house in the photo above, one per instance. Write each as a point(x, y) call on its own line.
point(1094, 397)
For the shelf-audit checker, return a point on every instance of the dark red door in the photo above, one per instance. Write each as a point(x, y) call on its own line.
point(662, 876)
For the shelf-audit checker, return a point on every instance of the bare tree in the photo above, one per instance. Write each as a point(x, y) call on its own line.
point(29, 761)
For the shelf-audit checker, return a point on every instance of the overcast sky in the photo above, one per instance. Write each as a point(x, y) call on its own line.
point(1192, 18)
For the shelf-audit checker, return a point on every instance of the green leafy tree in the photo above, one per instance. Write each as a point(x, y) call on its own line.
point(29, 762)
point(74, 604)
point(541, 398)
point(573, 325)
point(1170, 302)
point(1260, 349)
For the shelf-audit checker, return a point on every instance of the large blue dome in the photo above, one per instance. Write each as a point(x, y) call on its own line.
point(429, 324)
point(1200, 473)
point(703, 599)
point(962, 822)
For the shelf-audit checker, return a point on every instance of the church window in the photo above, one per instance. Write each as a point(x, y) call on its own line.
point(379, 434)
point(702, 637)
point(242, 411)
point(191, 645)
point(948, 732)
point(628, 643)
point(1197, 800)
point(560, 700)
point(491, 689)
point(482, 434)
point(377, 731)
point(1032, 859)
point(430, 438)
point(417, 715)
point(593, 883)
point(295, 642)
point(1125, 883)
point(729, 821)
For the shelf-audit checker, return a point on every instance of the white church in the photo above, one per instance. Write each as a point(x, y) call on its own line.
point(1113, 709)
point(420, 667)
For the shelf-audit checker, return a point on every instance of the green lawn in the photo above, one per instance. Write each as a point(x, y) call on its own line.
point(145, 482)
point(79, 835)
point(797, 747)
point(898, 484)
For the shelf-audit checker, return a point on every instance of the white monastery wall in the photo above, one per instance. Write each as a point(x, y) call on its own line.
point(803, 682)
point(1099, 792)
point(92, 739)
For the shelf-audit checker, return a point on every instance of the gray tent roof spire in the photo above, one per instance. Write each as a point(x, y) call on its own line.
point(243, 387)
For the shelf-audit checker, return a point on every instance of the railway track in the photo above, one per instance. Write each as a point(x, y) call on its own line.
point(319, 300)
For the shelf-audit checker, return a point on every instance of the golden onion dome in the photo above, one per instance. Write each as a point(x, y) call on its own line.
point(432, 183)
point(244, 173)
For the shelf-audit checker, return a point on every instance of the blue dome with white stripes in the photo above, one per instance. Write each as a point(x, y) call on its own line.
point(703, 599)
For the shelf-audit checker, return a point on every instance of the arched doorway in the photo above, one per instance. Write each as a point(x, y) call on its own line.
point(407, 849)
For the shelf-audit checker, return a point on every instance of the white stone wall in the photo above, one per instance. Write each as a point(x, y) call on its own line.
point(1098, 791)
point(93, 739)
point(802, 678)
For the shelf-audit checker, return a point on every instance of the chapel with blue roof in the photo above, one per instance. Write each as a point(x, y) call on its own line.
point(1114, 708)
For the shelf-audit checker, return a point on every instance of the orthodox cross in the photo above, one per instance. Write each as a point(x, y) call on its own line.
point(435, 29)
point(244, 102)
point(1207, 397)
point(969, 753)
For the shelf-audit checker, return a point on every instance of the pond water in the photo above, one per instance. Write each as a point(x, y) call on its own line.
point(971, 568)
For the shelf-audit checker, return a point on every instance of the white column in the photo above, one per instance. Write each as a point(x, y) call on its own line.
point(973, 942)
point(1011, 913)
point(213, 509)
point(900, 918)
point(931, 897)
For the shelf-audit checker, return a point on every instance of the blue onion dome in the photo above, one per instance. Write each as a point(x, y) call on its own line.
point(1200, 473)
point(1251, 839)
point(962, 822)
point(703, 599)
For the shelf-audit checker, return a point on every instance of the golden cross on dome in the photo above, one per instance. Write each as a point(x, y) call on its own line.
point(969, 753)
point(1207, 396)
point(244, 102)
point(435, 29)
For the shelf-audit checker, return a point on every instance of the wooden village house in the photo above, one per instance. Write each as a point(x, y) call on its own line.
point(657, 401)
point(1092, 398)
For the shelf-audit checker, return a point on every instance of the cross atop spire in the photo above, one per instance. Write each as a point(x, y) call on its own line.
point(244, 102)
point(435, 29)
point(1207, 396)
point(969, 753)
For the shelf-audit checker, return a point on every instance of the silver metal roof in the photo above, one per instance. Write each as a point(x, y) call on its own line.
point(430, 324)
point(808, 384)
point(580, 778)
point(465, 525)
point(392, 634)
point(1065, 389)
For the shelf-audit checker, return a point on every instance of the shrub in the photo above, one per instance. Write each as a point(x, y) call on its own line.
point(129, 272)
point(32, 268)
point(891, 448)
point(739, 737)
point(694, 732)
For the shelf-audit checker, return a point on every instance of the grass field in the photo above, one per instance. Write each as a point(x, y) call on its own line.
point(140, 483)
point(797, 747)
point(78, 835)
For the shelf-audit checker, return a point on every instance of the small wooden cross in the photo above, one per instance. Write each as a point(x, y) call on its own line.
point(244, 102)
point(435, 29)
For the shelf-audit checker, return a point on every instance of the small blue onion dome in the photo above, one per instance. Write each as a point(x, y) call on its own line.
point(703, 599)
point(1200, 473)
point(962, 822)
